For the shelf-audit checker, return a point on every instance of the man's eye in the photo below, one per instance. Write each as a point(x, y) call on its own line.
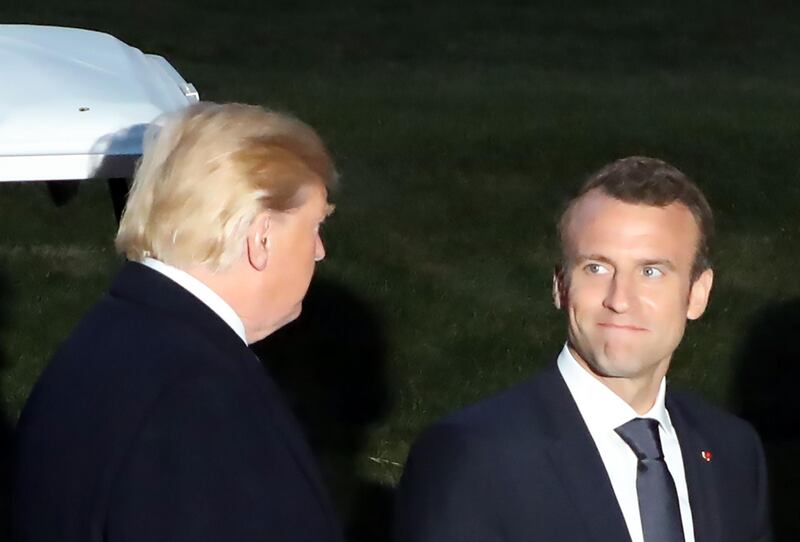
point(595, 269)
point(649, 271)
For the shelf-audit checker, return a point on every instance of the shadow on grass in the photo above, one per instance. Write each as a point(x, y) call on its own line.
point(330, 363)
point(5, 430)
point(765, 393)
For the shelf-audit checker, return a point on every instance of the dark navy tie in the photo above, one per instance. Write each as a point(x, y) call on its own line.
point(658, 500)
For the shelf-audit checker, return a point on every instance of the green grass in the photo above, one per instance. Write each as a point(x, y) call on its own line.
point(459, 127)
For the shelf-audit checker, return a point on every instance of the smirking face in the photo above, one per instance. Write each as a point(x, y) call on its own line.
point(627, 287)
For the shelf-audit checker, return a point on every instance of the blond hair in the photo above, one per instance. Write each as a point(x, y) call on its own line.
point(207, 172)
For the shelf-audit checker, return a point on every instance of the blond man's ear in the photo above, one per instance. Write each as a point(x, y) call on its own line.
point(258, 242)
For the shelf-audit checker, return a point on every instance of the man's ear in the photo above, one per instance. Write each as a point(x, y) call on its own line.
point(258, 244)
point(699, 294)
point(559, 289)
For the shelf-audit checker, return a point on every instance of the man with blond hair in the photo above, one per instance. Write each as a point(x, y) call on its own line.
point(154, 420)
point(597, 447)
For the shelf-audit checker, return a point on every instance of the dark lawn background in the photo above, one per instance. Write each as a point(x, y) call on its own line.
point(458, 128)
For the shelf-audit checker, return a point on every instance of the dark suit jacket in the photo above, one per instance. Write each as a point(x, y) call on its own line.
point(523, 467)
point(155, 422)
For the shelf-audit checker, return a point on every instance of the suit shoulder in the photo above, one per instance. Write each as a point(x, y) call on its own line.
point(117, 362)
point(116, 333)
point(486, 414)
point(492, 424)
point(711, 417)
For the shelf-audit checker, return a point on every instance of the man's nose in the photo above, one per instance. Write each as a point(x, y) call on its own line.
point(319, 249)
point(619, 294)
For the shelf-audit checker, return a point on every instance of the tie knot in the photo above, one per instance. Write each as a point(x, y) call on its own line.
point(641, 434)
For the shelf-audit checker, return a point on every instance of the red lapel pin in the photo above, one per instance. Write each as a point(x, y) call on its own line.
point(706, 454)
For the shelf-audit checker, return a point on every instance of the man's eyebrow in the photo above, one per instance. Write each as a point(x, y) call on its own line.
point(593, 257)
point(665, 262)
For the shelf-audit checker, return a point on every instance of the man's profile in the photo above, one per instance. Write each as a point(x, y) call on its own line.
point(154, 421)
point(597, 447)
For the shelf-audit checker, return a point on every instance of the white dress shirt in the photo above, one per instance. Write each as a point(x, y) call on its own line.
point(603, 411)
point(201, 292)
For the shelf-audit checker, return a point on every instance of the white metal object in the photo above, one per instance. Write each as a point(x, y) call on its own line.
point(74, 104)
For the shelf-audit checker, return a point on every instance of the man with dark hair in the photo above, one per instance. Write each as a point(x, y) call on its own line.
point(595, 448)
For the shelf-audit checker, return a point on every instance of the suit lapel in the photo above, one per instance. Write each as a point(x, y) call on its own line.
point(577, 462)
point(703, 496)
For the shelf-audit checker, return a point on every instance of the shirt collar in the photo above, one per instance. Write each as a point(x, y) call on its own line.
point(601, 408)
point(202, 292)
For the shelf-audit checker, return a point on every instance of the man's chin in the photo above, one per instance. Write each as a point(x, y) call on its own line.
point(288, 319)
point(627, 365)
point(294, 315)
point(613, 364)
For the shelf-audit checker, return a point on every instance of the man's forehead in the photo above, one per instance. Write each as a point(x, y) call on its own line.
point(597, 217)
point(597, 207)
point(317, 193)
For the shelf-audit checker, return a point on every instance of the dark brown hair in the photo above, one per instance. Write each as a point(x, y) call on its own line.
point(649, 181)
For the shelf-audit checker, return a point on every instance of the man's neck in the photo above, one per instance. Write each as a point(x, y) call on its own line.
point(204, 289)
point(639, 392)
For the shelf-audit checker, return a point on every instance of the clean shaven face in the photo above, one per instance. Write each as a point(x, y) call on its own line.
point(295, 246)
point(627, 288)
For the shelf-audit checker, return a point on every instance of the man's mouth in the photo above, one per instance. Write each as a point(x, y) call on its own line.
point(621, 327)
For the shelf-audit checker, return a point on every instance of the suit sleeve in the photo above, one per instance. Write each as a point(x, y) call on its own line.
point(191, 474)
point(446, 492)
